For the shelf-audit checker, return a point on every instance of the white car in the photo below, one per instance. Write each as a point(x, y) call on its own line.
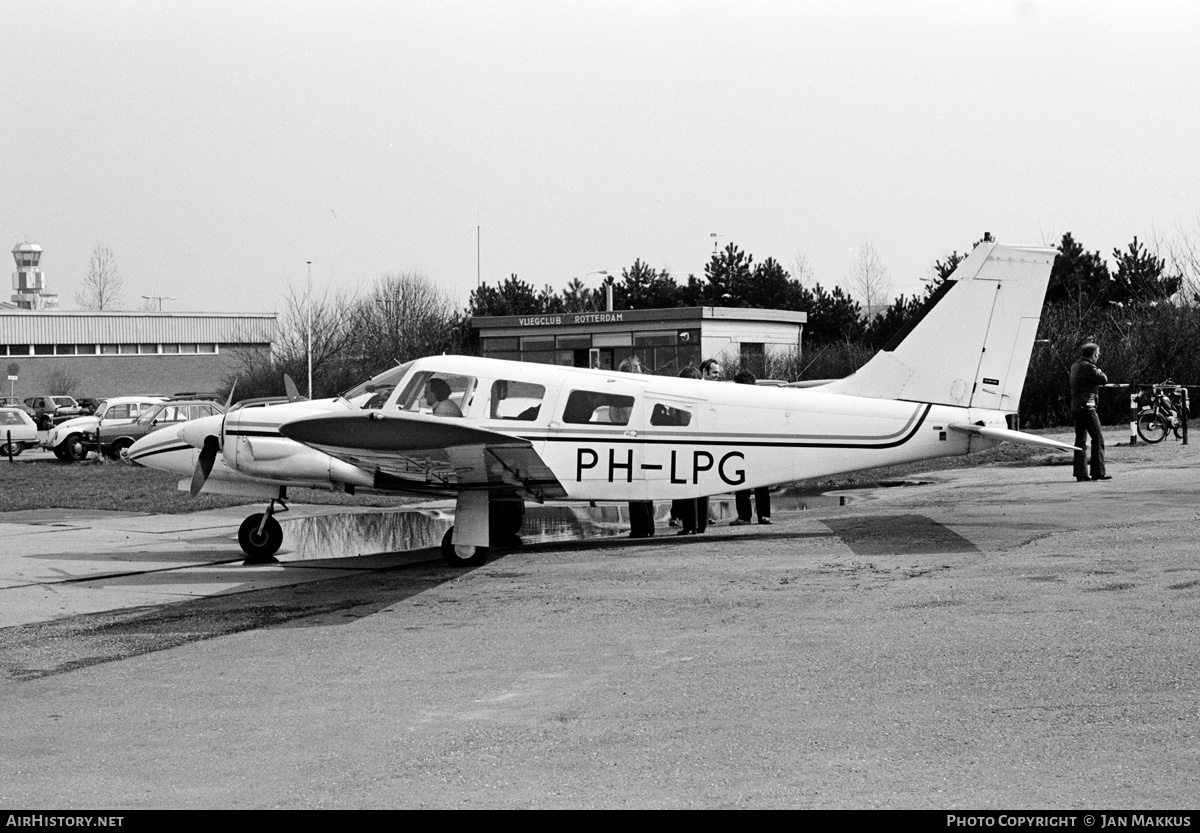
point(17, 432)
point(66, 438)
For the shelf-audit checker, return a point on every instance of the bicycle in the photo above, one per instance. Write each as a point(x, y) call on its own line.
point(1158, 414)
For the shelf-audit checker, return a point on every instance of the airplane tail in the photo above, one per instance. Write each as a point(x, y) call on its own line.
point(969, 346)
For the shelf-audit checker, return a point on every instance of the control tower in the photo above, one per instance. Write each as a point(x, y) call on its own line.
point(29, 281)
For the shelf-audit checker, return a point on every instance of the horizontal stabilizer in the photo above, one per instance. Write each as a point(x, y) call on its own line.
point(1004, 435)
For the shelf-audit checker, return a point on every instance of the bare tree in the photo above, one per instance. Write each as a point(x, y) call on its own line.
point(403, 317)
point(801, 269)
point(1183, 256)
point(335, 330)
point(61, 383)
point(102, 283)
point(869, 282)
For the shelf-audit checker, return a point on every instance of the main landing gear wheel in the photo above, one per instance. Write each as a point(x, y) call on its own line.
point(463, 555)
point(260, 546)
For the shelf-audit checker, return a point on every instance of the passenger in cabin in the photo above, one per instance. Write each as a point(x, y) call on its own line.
point(762, 495)
point(437, 396)
point(641, 512)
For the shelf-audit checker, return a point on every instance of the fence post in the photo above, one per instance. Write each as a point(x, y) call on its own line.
point(1133, 409)
point(1186, 411)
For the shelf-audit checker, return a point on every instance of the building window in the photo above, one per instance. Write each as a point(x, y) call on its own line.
point(109, 350)
point(659, 338)
point(529, 343)
point(206, 348)
point(753, 357)
point(43, 349)
point(499, 345)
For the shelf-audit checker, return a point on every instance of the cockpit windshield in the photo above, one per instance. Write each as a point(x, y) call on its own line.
point(374, 392)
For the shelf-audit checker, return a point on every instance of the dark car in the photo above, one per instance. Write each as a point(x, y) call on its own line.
point(48, 411)
point(114, 440)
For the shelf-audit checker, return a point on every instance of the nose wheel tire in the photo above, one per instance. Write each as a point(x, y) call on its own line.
point(462, 555)
point(260, 546)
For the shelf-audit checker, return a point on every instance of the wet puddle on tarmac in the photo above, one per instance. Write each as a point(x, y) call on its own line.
point(406, 529)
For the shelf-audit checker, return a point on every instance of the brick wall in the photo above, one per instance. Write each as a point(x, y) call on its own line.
point(101, 376)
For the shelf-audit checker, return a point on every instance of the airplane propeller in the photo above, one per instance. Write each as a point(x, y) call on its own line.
point(211, 448)
point(204, 463)
point(293, 392)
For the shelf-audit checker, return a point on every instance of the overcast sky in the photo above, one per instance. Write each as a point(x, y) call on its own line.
point(216, 147)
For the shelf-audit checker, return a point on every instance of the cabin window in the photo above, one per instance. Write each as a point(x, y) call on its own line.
point(669, 415)
point(440, 394)
point(585, 406)
point(516, 400)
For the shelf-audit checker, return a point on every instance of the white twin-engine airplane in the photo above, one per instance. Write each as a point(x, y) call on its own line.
point(496, 433)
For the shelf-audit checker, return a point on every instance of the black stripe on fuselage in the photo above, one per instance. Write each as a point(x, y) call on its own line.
point(163, 450)
point(681, 440)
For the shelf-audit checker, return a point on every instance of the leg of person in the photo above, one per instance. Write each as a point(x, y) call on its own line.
point(762, 503)
point(1096, 431)
point(641, 519)
point(701, 514)
point(685, 510)
point(1082, 425)
point(741, 499)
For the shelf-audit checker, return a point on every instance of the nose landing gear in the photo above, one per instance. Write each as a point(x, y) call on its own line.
point(260, 535)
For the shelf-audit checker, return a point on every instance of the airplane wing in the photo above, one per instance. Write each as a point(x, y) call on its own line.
point(420, 453)
point(1004, 435)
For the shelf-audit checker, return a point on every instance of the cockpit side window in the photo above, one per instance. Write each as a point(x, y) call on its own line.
point(375, 392)
point(511, 399)
point(585, 406)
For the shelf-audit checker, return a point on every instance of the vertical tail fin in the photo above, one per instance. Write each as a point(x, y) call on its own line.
point(970, 344)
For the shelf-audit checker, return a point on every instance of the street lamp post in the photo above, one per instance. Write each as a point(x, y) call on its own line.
point(608, 297)
point(308, 303)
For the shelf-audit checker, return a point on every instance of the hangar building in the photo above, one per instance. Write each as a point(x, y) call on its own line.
point(665, 340)
point(100, 354)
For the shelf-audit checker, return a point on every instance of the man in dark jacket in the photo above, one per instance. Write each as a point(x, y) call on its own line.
point(1086, 379)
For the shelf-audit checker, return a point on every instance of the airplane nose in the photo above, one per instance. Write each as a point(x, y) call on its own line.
point(194, 431)
point(152, 441)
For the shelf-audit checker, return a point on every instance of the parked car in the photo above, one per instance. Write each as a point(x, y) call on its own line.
point(66, 439)
point(13, 402)
point(51, 410)
point(89, 405)
point(260, 402)
point(114, 440)
point(17, 432)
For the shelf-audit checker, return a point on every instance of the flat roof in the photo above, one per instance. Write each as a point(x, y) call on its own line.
point(639, 316)
point(104, 327)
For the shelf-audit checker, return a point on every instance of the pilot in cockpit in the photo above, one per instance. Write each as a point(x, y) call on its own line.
point(437, 396)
